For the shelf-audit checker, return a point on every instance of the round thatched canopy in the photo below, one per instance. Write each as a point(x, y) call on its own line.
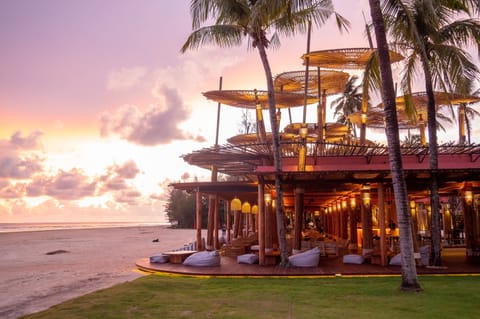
point(349, 58)
point(420, 100)
point(250, 98)
point(376, 119)
point(332, 82)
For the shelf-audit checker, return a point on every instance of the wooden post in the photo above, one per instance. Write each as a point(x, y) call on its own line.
point(381, 220)
point(261, 223)
point(199, 220)
point(298, 224)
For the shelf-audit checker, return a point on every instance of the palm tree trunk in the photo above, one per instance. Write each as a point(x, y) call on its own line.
point(435, 256)
point(276, 157)
point(409, 271)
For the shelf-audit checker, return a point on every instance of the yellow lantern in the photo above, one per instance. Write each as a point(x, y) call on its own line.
point(236, 204)
point(255, 209)
point(246, 208)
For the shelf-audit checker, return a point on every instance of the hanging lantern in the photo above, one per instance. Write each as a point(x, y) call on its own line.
point(352, 201)
point(467, 192)
point(344, 203)
point(366, 195)
point(255, 209)
point(236, 204)
point(268, 198)
point(246, 208)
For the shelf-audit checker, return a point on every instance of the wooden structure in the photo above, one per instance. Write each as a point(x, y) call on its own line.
point(342, 188)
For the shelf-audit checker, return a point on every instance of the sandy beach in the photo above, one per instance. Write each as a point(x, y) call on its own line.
point(44, 268)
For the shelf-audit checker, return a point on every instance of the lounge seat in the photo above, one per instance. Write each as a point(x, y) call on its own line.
point(159, 259)
point(203, 259)
point(309, 258)
point(353, 259)
point(247, 259)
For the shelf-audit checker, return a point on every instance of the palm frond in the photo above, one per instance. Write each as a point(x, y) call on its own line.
point(221, 35)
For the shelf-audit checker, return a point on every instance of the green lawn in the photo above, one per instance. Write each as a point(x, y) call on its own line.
point(158, 296)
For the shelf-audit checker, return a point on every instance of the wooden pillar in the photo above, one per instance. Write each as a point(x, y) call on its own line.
point(216, 219)
point(261, 223)
point(367, 236)
point(198, 214)
point(381, 220)
point(461, 123)
point(298, 224)
point(229, 221)
point(353, 246)
point(468, 219)
point(268, 224)
point(210, 222)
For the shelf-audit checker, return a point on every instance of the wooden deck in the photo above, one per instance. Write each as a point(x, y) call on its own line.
point(453, 259)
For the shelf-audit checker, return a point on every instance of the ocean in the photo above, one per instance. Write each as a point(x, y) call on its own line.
point(24, 227)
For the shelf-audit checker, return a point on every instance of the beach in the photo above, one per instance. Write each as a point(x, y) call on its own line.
point(40, 269)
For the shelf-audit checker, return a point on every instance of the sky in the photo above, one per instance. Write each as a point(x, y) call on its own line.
point(97, 104)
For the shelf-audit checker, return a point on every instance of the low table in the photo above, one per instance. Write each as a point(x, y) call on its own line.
point(177, 257)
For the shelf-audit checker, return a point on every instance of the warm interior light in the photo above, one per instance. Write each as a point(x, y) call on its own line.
point(268, 198)
point(353, 201)
point(317, 213)
point(366, 195)
point(255, 209)
point(303, 132)
point(413, 204)
point(363, 118)
point(236, 204)
point(344, 203)
point(467, 192)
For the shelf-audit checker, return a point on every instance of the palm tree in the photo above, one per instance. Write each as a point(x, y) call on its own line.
point(254, 19)
point(409, 271)
point(350, 101)
point(433, 34)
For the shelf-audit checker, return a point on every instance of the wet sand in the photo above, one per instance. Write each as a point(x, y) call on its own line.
point(41, 269)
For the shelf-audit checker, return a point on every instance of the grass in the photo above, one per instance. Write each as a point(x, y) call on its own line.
point(161, 296)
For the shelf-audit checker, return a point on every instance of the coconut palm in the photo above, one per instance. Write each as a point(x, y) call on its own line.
point(432, 35)
point(409, 272)
point(257, 20)
point(350, 101)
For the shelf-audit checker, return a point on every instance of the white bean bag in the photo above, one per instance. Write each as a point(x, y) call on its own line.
point(203, 259)
point(353, 259)
point(309, 258)
point(396, 260)
point(247, 259)
point(159, 259)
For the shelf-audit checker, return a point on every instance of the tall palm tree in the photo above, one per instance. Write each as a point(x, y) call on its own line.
point(350, 101)
point(255, 19)
point(409, 271)
point(432, 34)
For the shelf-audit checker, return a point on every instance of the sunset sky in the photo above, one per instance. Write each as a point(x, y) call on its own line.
point(97, 104)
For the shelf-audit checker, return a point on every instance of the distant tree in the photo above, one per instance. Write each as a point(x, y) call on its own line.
point(247, 124)
point(350, 101)
point(180, 209)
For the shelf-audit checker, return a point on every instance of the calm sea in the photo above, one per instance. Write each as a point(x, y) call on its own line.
point(22, 227)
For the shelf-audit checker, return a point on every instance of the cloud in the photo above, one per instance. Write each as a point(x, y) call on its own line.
point(71, 185)
point(125, 78)
point(155, 126)
point(15, 161)
point(128, 170)
point(128, 197)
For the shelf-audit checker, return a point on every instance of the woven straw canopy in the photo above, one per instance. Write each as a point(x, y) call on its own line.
point(420, 100)
point(332, 82)
point(376, 119)
point(250, 98)
point(352, 58)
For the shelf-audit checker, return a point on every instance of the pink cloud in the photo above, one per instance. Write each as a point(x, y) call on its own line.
point(154, 126)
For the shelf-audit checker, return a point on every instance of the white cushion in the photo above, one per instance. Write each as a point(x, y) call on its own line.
point(203, 259)
point(247, 259)
point(159, 259)
point(309, 258)
point(353, 259)
point(396, 260)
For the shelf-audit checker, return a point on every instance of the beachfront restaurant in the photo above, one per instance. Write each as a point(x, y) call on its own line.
point(336, 184)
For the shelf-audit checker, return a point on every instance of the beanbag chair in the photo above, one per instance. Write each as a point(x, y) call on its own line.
point(159, 259)
point(247, 259)
point(309, 258)
point(353, 259)
point(203, 259)
point(396, 260)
